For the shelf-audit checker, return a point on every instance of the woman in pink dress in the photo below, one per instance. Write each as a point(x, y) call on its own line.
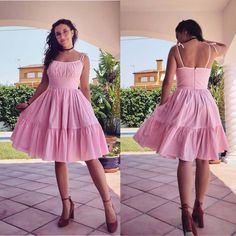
point(187, 124)
point(58, 122)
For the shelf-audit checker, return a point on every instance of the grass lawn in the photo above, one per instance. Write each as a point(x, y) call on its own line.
point(8, 152)
point(129, 145)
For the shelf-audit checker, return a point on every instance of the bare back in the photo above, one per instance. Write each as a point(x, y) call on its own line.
point(195, 54)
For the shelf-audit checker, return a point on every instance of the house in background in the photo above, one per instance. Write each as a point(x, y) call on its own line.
point(30, 75)
point(149, 79)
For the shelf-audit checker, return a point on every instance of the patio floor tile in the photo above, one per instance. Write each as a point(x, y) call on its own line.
point(166, 191)
point(8, 207)
point(30, 219)
point(73, 228)
point(7, 229)
point(145, 184)
point(128, 213)
point(145, 202)
point(145, 225)
point(89, 216)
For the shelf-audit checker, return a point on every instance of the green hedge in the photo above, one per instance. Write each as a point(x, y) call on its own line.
point(10, 96)
point(136, 104)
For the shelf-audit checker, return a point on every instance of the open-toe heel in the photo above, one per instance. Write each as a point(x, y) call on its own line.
point(111, 226)
point(187, 222)
point(198, 214)
point(64, 222)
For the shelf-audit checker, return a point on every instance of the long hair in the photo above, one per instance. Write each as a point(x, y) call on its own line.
point(53, 47)
point(192, 27)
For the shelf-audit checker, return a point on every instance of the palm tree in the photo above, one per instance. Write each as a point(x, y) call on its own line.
point(108, 75)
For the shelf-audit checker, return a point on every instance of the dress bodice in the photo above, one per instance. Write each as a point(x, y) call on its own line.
point(65, 74)
point(190, 77)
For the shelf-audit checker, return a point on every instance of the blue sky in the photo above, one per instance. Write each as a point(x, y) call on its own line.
point(140, 53)
point(21, 46)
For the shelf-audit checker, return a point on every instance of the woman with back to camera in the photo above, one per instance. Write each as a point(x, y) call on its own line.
point(58, 123)
point(187, 124)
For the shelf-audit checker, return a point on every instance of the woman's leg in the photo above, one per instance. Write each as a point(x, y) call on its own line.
point(184, 175)
point(61, 172)
point(98, 176)
point(201, 179)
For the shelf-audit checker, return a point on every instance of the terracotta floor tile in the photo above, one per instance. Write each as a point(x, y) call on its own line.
point(82, 196)
point(98, 233)
point(97, 203)
point(50, 190)
point(48, 180)
point(30, 219)
point(128, 213)
point(32, 176)
point(145, 184)
point(164, 178)
point(32, 185)
point(77, 184)
point(169, 213)
point(217, 191)
point(175, 232)
point(14, 173)
point(230, 198)
point(14, 181)
point(73, 228)
point(215, 226)
point(145, 202)
point(128, 179)
point(166, 191)
point(145, 225)
point(11, 192)
point(4, 177)
point(89, 216)
point(223, 210)
point(128, 192)
point(7, 229)
point(8, 207)
point(140, 173)
point(31, 198)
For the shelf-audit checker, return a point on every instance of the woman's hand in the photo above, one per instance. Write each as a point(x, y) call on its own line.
point(22, 106)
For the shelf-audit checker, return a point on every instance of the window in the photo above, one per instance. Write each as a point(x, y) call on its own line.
point(144, 79)
point(152, 79)
point(30, 75)
point(40, 74)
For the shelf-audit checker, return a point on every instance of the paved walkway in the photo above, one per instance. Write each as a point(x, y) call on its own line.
point(30, 203)
point(150, 202)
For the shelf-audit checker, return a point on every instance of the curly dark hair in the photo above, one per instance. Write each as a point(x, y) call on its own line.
point(54, 47)
point(192, 27)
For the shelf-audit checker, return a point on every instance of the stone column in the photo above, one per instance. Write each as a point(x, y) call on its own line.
point(230, 106)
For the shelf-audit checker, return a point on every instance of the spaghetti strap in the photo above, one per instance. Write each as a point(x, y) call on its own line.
point(209, 56)
point(82, 56)
point(177, 46)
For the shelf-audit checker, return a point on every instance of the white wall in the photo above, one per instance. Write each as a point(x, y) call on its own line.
point(97, 21)
point(229, 22)
point(159, 24)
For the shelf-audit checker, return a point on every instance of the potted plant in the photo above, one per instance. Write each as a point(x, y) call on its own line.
point(111, 161)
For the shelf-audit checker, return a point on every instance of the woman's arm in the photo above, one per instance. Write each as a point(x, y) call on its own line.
point(169, 76)
point(84, 80)
point(220, 48)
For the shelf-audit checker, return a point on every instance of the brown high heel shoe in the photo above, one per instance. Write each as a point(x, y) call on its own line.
point(198, 214)
point(64, 222)
point(111, 226)
point(187, 222)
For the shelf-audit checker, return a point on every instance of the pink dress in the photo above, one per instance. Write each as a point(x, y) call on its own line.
point(188, 125)
point(60, 124)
